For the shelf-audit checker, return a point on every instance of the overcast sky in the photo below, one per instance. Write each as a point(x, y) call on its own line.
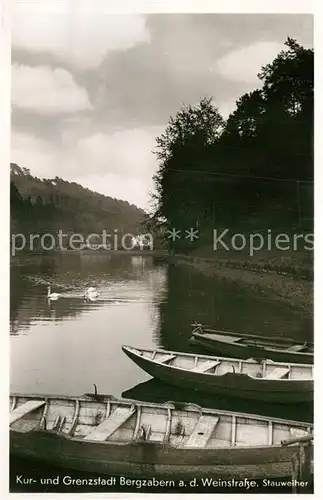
point(91, 91)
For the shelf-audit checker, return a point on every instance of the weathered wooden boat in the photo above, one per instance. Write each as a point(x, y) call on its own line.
point(137, 439)
point(251, 346)
point(264, 380)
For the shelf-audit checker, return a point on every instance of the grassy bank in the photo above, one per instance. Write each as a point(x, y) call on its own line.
point(290, 280)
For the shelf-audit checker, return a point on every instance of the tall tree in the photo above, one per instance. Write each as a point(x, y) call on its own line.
point(249, 168)
point(180, 152)
point(288, 89)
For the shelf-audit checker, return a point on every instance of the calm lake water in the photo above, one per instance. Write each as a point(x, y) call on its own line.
point(65, 346)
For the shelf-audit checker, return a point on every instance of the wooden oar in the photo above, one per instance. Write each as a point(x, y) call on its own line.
point(295, 440)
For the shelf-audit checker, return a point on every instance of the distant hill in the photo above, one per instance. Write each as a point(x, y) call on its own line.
point(49, 205)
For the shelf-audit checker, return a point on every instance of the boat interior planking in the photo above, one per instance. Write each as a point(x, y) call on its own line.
point(188, 426)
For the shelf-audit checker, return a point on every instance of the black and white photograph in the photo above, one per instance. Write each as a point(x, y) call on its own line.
point(161, 250)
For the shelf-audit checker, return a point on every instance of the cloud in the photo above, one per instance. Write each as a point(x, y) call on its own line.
point(75, 32)
point(227, 107)
point(44, 90)
point(33, 153)
point(127, 152)
point(244, 64)
point(119, 164)
point(154, 64)
point(132, 189)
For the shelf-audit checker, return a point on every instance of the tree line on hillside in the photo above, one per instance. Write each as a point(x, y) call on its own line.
point(252, 171)
point(42, 206)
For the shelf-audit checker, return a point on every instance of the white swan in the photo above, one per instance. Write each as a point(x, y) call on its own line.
point(52, 296)
point(90, 298)
point(91, 293)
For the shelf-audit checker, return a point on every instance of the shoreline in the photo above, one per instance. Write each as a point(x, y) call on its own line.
point(296, 291)
point(24, 257)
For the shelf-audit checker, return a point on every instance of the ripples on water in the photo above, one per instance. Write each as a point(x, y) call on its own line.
point(65, 346)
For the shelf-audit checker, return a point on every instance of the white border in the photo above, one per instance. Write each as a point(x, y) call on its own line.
point(318, 268)
point(192, 6)
point(155, 6)
point(4, 224)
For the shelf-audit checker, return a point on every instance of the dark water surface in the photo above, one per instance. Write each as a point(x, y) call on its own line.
point(65, 346)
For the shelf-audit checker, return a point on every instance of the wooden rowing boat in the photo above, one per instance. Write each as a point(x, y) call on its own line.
point(249, 379)
point(138, 439)
point(251, 346)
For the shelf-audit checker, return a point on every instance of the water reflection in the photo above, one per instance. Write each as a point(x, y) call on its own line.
point(118, 281)
point(192, 296)
point(158, 392)
point(65, 346)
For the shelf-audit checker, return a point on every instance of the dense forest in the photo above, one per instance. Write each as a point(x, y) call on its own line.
point(253, 171)
point(42, 206)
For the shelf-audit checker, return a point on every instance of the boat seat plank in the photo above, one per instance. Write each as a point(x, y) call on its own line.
point(206, 366)
point(110, 424)
point(202, 432)
point(165, 358)
point(278, 372)
point(22, 410)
